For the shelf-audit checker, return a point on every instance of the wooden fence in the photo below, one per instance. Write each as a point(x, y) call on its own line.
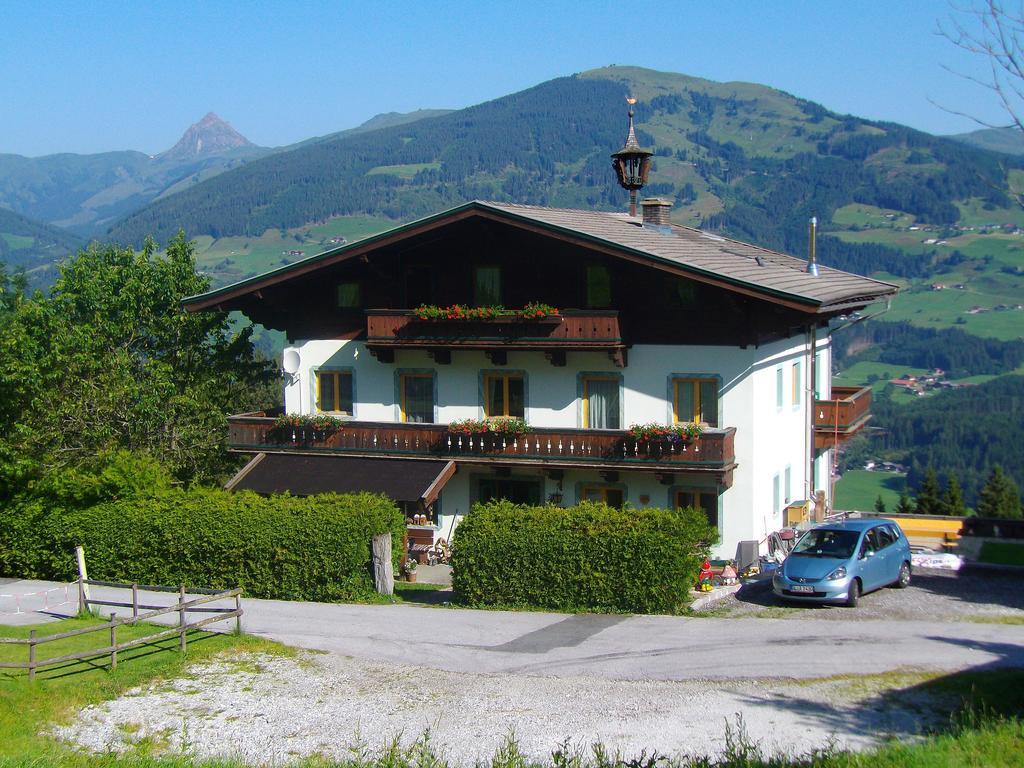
point(182, 607)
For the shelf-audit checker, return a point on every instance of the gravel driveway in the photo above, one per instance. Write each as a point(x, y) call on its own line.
point(271, 710)
point(933, 595)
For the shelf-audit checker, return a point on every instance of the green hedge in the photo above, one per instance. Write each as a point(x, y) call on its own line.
point(314, 548)
point(589, 557)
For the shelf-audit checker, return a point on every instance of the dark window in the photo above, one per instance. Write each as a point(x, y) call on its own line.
point(885, 537)
point(487, 286)
point(334, 392)
point(350, 296)
point(706, 501)
point(417, 398)
point(695, 400)
point(600, 402)
point(516, 491)
point(613, 497)
point(504, 396)
point(599, 286)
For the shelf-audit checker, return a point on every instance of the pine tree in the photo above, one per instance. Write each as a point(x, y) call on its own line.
point(929, 501)
point(999, 497)
point(953, 500)
point(880, 504)
point(905, 506)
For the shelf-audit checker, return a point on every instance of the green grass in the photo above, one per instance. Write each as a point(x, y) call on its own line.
point(1002, 553)
point(406, 171)
point(862, 372)
point(858, 489)
point(18, 242)
point(57, 693)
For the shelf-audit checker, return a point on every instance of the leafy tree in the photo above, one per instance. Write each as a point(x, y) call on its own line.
point(905, 506)
point(999, 497)
point(928, 500)
point(109, 360)
point(880, 504)
point(953, 499)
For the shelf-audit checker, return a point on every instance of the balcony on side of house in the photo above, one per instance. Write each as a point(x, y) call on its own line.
point(712, 452)
point(569, 330)
point(842, 416)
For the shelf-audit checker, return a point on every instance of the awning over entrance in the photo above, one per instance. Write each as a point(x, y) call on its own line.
point(404, 480)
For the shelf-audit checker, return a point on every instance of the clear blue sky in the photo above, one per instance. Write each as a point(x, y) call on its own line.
point(101, 75)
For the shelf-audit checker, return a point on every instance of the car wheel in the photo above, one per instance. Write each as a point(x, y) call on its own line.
point(904, 578)
point(853, 595)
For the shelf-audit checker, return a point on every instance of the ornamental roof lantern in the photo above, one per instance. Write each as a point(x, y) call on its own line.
point(632, 163)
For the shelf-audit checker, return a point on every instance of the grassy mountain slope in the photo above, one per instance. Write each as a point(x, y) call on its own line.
point(33, 246)
point(1008, 140)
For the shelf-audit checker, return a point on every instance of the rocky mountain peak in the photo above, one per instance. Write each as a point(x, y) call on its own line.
point(209, 137)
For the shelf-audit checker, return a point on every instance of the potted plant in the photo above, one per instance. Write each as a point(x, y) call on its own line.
point(664, 434)
point(410, 568)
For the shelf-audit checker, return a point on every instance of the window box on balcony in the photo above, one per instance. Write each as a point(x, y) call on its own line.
point(570, 329)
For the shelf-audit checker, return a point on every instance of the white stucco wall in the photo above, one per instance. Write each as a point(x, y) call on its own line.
point(769, 438)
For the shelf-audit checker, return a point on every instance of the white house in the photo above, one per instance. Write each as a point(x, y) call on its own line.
point(655, 323)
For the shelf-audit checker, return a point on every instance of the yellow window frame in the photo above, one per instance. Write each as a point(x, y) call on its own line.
point(586, 395)
point(698, 407)
point(401, 380)
point(505, 379)
point(336, 386)
point(796, 379)
point(601, 490)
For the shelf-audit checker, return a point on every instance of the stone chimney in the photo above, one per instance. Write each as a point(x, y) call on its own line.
point(656, 212)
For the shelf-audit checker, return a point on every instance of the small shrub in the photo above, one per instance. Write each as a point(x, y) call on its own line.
point(588, 557)
point(314, 548)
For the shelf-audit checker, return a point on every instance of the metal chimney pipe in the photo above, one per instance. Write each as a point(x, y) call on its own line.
point(812, 261)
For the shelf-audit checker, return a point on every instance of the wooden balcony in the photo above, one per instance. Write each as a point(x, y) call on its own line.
point(390, 329)
point(841, 417)
point(712, 452)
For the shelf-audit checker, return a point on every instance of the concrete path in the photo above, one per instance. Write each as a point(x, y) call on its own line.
point(612, 647)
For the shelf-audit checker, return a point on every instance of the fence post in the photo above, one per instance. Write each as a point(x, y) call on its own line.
point(383, 575)
point(238, 614)
point(135, 601)
point(82, 605)
point(181, 618)
point(113, 640)
point(83, 576)
point(31, 654)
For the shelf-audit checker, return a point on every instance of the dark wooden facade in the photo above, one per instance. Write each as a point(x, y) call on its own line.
point(653, 306)
point(713, 452)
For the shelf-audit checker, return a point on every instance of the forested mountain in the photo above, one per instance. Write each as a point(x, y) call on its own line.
point(741, 157)
point(965, 432)
point(33, 246)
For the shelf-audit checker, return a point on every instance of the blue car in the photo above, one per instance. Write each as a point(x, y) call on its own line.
point(838, 562)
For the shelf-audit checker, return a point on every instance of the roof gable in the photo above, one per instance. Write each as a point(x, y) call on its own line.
point(700, 255)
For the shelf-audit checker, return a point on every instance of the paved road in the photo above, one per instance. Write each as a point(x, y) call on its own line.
point(619, 647)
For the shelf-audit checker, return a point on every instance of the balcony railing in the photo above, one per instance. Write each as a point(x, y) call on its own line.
point(568, 330)
point(712, 451)
point(842, 416)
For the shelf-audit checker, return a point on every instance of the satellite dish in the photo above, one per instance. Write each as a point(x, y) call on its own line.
point(290, 363)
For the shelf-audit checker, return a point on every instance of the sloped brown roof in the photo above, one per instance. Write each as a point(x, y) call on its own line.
point(702, 255)
point(400, 479)
point(710, 254)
